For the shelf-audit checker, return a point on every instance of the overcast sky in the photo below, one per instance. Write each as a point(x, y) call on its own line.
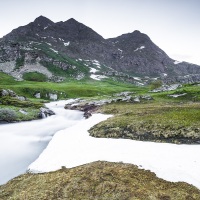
point(173, 25)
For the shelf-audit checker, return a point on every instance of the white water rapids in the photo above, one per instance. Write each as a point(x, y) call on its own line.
point(20, 145)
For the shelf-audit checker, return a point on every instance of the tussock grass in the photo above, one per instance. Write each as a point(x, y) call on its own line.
point(176, 123)
point(98, 180)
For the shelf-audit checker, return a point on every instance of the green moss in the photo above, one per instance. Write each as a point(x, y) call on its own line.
point(19, 62)
point(34, 76)
point(11, 101)
point(176, 123)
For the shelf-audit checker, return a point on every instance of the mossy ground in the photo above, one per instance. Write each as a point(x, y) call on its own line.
point(24, 110)
point(98, 180)
point(160, 122)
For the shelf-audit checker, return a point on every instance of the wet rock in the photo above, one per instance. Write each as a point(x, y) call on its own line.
point(87, 108)
point(87, 115)
point(45, 112)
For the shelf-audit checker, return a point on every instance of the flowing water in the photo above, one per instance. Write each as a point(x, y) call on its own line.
point(21, 143)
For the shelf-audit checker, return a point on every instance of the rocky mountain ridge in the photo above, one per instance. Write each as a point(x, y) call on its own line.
point(71, 49)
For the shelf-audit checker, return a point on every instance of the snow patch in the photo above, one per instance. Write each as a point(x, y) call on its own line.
point(66, 43)
point(97, 77)
point(96, 62)
point(54, 50)
point(139, 84)
point(93, 70)
point(54, 39)
point(137, 78)
point(177, 95)
point(177, 62)
point(140, 48)
point(49, 44)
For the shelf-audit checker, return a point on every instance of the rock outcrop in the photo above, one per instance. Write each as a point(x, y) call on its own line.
point(10, 93)
point(45, 112)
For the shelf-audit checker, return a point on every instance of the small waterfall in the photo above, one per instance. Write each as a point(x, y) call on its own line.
point(43, 115)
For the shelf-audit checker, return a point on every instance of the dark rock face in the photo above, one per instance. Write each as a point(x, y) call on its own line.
point(133, 54)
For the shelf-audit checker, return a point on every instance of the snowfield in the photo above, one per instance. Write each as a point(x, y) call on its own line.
point(73, 146)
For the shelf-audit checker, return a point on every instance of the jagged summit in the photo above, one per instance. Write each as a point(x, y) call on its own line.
point(72, 20)
point(41, 20)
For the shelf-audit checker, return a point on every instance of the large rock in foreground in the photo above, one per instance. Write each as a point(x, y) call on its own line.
point(98, 180)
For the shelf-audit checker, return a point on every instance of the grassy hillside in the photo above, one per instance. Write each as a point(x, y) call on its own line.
point(67, 89)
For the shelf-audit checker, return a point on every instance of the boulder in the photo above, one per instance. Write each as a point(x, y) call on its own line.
point(4, 93)
point(87, 108)
point(53, 96)
point(37, 95)
point(12, 93)
point(136, 99)
point(45, 112)
point(21, 98)
point(165, 88)
point(7, 92)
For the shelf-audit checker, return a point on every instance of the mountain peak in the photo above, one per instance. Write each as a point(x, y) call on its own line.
point(72, 21)
point(42, 20)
